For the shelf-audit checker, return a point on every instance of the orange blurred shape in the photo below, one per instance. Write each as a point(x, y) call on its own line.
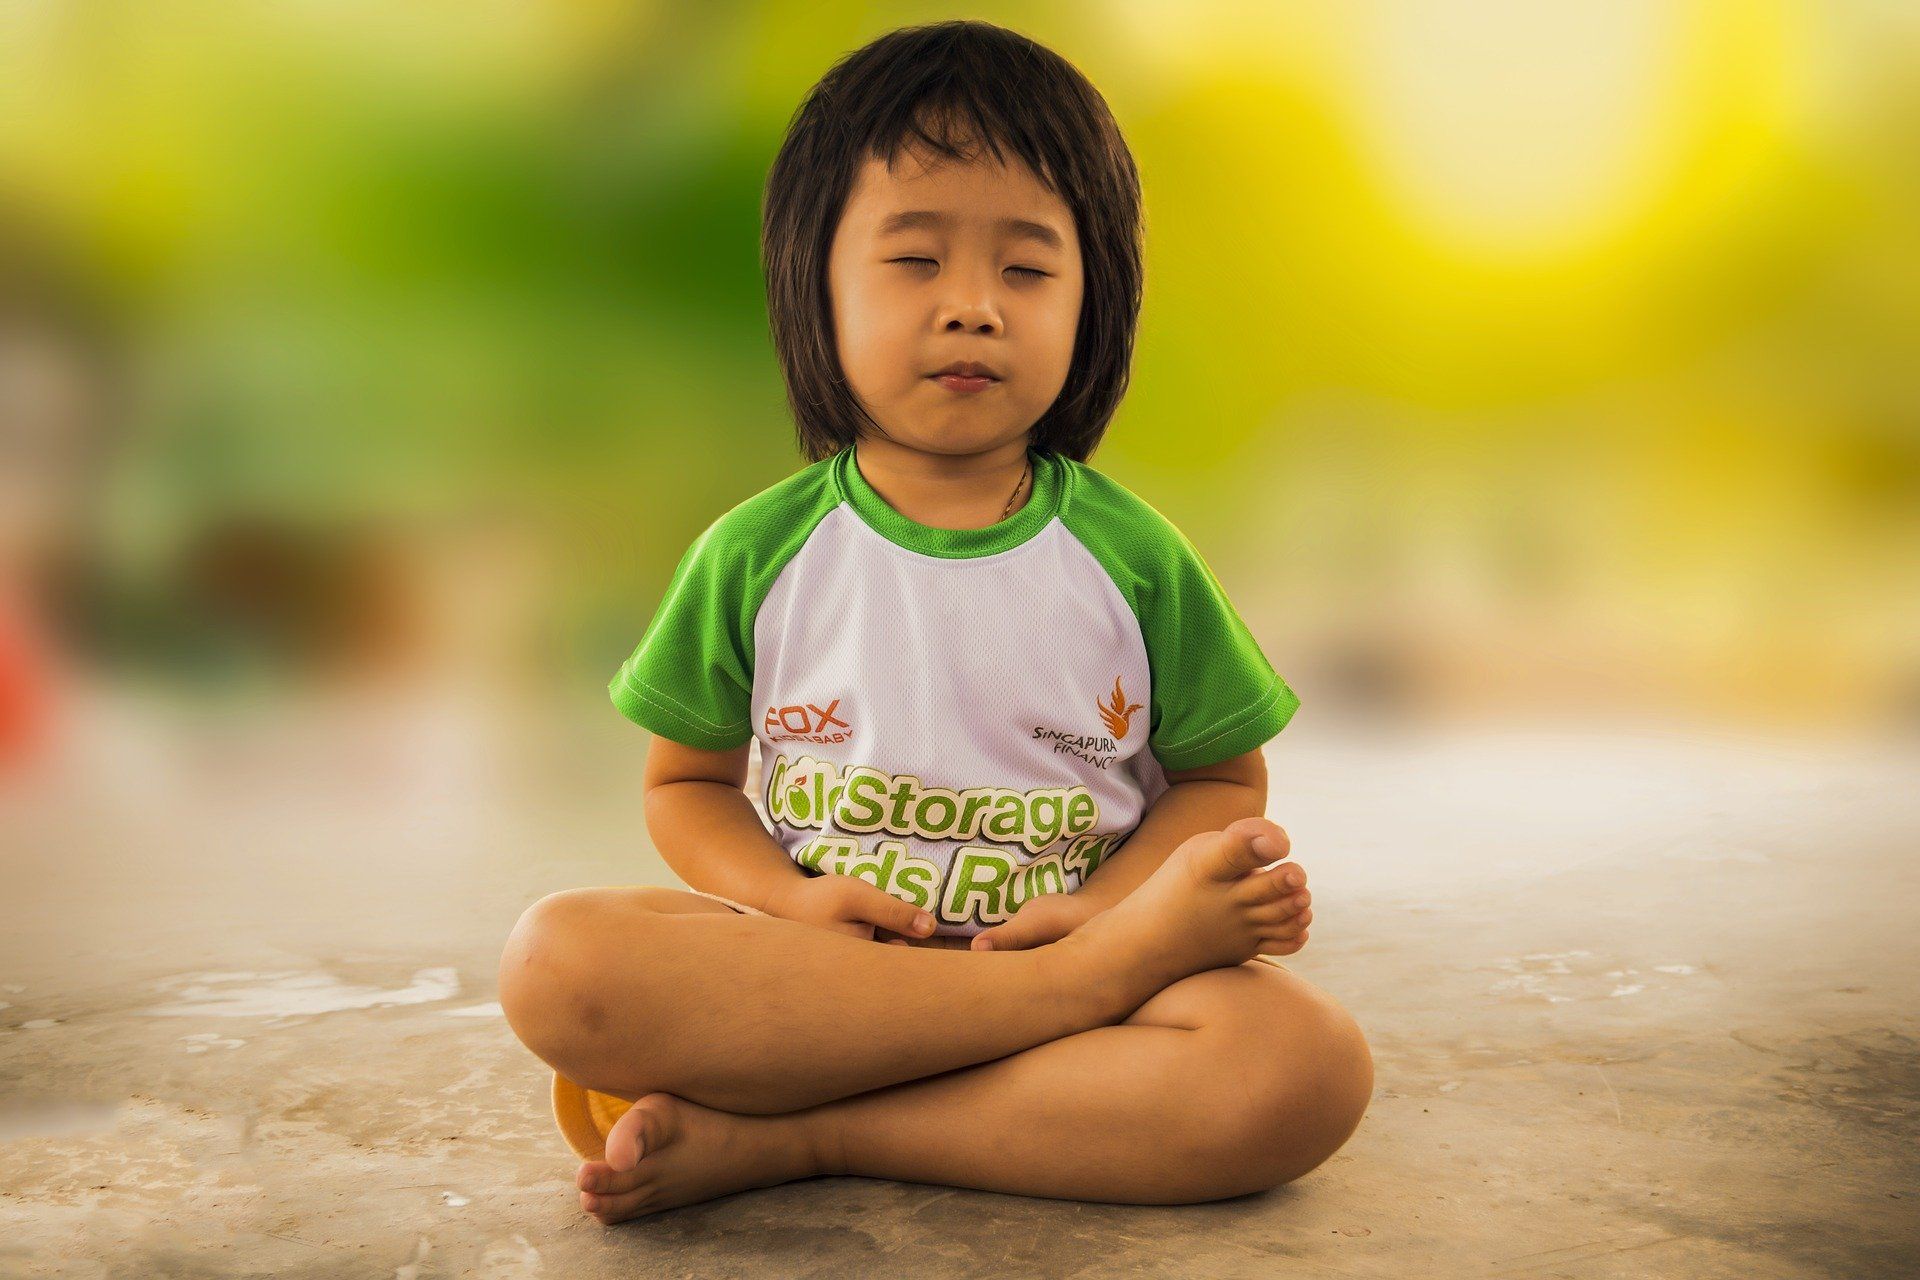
point(26, 684)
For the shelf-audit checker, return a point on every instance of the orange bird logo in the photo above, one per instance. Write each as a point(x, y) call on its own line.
point(1119, 713)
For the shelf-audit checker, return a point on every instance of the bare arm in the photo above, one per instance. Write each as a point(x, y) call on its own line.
point(706, 827)
point(1202, 799)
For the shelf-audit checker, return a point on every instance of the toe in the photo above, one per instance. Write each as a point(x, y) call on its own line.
point(1278, 884)
point(648, 1125)
point(602, 1178)
point(1266, 837)
point(1281, 911)
point(624, 1141)
point(609, 1209)
point(1230, 854)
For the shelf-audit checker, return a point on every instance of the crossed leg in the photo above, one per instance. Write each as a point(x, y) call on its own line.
point(780, 1051)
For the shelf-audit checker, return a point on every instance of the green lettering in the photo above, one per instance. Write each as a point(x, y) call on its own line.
point(978, 874)
point(902, 797)
point(1009, 817)
point(1082, 811)
point(1046, 820)
point(860, 807)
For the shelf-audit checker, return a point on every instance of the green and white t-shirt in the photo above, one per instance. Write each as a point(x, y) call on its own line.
point(965, 717)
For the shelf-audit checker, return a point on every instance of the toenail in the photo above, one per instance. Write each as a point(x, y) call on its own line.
point(1293, 879)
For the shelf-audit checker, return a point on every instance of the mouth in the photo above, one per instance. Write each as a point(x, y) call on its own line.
point(965, 375)
point(964, 382)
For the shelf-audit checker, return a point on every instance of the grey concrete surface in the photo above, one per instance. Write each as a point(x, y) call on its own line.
point(1642, 1002)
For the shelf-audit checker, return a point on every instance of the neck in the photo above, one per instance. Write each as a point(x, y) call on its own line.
point(942, 490)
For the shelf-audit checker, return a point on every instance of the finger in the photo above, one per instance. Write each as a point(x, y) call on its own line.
point(889, 912)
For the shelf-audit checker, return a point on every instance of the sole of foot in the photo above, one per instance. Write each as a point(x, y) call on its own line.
point(1214, 902)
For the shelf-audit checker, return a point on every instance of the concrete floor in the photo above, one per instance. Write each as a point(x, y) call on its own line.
point(1643, 1002)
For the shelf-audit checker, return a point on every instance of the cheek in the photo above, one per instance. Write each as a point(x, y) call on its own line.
point(858, 321)
point(1069, 309)
point(1061, 320)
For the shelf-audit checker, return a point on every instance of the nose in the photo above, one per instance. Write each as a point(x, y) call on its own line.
point(969, 317)
point(969, 304)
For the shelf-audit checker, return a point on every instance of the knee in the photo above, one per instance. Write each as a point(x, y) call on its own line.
point(547, 966)
point(1302, 1085)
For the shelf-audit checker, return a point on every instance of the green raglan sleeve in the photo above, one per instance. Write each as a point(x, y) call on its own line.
point(690, 678)
point(1215, 696)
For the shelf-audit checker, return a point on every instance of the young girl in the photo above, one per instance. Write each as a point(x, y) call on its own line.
point(1007, 722)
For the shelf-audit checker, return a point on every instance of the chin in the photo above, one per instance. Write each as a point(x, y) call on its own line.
point(965, 441)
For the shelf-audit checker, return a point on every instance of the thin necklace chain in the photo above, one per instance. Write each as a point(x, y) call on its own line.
point(1018, 485)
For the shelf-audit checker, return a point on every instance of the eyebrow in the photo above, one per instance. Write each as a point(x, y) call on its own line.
point(1019, 228)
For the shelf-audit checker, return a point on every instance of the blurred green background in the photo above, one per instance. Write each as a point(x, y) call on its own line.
point(1503, 358)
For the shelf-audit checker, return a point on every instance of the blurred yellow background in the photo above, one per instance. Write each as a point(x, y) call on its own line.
point(1505, 359)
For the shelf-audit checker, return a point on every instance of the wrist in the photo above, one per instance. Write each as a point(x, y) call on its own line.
point(776, 896)
point(1093, 900)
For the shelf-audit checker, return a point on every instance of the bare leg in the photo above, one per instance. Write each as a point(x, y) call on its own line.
point(1230, 1081)
point(755, 1014)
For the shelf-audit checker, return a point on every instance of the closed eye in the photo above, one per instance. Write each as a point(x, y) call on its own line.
point(1027, 271)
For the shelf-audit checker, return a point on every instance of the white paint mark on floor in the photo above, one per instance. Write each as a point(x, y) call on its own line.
point(411, 1270)
point(39, 1024)
point(489, 1010)
point(1627, 989)
point(513, 1259)
point(201, 1041)
point(1675, 968)
point(454, 1200)
point(291, 993)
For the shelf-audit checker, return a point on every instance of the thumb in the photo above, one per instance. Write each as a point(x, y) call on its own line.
point(878, 907)
point(1004, 937)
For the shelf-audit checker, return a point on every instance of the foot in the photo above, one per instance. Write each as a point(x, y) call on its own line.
point(1213, 903)
point(666, 1152)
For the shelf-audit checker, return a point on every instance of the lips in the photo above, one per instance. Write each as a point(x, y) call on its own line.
point(966, 369)
point(963, 385)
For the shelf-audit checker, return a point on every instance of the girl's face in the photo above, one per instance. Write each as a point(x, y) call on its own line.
point(933, 264)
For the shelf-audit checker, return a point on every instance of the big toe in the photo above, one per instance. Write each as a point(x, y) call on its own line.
point(1241, 848)
point(647, 1126)
point(1267, 837)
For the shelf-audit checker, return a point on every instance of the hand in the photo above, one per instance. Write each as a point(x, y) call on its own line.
point(850, 905)
point(1041, 920)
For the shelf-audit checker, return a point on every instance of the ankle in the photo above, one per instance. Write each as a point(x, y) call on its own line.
point(822, 1141)
point(1098, 971)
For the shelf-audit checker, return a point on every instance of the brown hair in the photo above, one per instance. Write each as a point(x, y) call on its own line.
point(947, 86)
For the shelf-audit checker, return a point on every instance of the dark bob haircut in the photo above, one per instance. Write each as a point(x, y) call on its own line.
point(947, 88)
